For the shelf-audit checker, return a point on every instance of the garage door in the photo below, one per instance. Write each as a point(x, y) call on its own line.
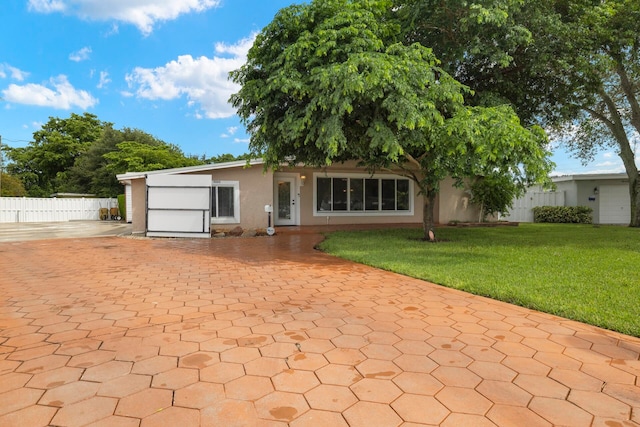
point(614, 204)
point(179, 206)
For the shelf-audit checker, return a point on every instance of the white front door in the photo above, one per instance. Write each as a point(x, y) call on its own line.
point(285, 207)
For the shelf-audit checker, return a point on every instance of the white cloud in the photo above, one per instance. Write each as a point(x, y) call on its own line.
point(47, 6)
point(230, 131)
point(104, 80)
point(241, 141)
point(16, 74)
point(61, 94)
point(81, 55)
point(204, 81)
point(607, 164)
point(144, 14)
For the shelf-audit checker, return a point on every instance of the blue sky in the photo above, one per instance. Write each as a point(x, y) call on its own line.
point(156, 65)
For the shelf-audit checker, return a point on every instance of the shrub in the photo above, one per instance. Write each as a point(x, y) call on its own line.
point(563, 214)
point(122, 206)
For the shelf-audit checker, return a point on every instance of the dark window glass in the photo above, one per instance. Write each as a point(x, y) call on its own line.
point(388, 194)
point(356, 192)
point(214, 202)
point(402, 195)
point(371, 194)
point(340, 194)
point(225, 202)
point(323, 194)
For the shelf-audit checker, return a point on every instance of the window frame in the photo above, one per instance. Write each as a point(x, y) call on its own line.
point(235, 219)
point(363, 211)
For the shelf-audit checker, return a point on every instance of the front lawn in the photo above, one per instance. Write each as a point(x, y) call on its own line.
point(581, 272)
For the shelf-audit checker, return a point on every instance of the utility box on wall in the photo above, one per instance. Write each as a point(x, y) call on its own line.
point(178, 206)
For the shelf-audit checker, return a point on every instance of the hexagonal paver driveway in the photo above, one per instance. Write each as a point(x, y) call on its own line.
point(267, 331)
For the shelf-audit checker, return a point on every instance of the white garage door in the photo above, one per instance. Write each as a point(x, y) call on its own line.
point(179, 206)
point(615, 205)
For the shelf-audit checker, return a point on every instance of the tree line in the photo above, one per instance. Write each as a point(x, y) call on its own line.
point(82, 154)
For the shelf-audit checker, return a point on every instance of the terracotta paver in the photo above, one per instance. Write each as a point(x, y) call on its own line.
point(267, 331)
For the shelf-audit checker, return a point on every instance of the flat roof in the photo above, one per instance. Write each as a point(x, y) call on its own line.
point(589, 177)
point(187, 169)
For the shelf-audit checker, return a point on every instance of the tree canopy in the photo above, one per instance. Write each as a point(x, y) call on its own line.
point(82, 154)
point(332, 80)
point(570, 65)
point(43, 164)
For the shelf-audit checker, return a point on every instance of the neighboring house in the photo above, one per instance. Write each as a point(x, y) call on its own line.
point(239, 195)
point(606, 194)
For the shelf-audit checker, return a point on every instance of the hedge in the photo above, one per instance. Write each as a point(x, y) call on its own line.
point(563, 214)
point(122, 206)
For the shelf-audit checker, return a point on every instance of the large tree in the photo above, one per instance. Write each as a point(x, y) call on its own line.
point(136, 155)
point(43, 164)
point(569, 65)
point(11, 186)
point(82, 154)
point(331, 81)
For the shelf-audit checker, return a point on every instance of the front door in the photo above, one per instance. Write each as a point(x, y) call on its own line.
point(285, 209)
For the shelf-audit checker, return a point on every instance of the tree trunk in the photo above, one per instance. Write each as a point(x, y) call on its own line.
point(615, 124)
point(634, 193)
point(428, 222)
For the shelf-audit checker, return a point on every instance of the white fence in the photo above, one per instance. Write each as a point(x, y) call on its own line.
point(522, 209)
point(28, 209)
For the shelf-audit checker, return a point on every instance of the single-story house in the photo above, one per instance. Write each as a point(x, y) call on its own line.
point(607, 194)
point(240, 195)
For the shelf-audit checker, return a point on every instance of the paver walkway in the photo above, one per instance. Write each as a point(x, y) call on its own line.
point(267, 332)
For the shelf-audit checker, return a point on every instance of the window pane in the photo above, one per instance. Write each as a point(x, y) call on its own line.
point(323, 194)
point(284, 199)
point(339, 194)
point(214, 200)
point(225, 201)
point(402, 195)
point(388, 194)
point(356, 194)
point(371, 194)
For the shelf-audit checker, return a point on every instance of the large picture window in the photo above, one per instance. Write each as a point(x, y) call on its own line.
point(363, 195)
point(225, 202)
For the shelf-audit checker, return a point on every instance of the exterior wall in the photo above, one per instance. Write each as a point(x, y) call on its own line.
point(256, 191)
point(570, 189)
point(138, 206)
point(455, 204)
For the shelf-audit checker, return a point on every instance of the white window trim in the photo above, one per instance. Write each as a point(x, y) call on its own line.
point(369, 213)
point(235, 219)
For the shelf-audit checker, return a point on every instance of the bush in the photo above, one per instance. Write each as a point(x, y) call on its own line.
point(563, 214)
point(122, 206)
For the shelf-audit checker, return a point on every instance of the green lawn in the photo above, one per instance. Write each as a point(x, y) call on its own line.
point(581, 272)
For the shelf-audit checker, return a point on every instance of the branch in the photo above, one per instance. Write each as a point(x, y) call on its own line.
point(412, 160)
point(627, 87)
point(599, 116)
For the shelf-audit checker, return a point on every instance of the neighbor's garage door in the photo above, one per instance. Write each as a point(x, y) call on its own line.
point(179, 206)
point(615, 204)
